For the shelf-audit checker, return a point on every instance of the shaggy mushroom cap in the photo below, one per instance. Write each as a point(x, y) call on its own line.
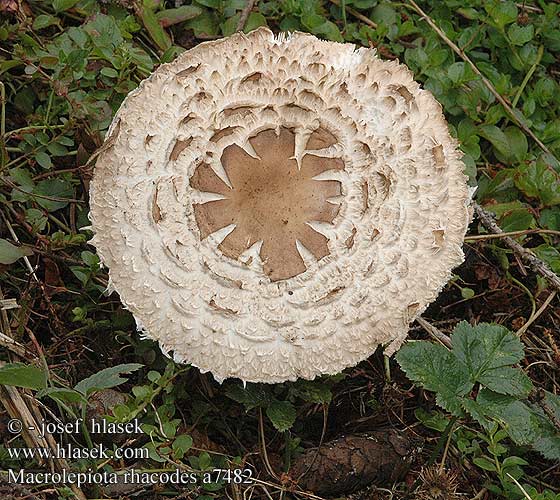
point(274, 207)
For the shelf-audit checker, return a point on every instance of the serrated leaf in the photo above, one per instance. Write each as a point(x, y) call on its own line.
point(22, 375)
point(313, 391)
point(507, 380)
point(10, 253)
point(521, 423)
point(252, 396)
point(282, 414)
point(438, 370)
point(107, 378)
point(485, 347)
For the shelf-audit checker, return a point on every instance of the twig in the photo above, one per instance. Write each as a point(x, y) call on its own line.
point(357, 15)
point(536, 264)
point(479, 237)
point(534, 316)
point(485, 80)
point(434, 332)
point(245, 14)
point(263, 447)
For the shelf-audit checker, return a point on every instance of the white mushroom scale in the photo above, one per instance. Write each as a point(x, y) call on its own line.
point(274, 207)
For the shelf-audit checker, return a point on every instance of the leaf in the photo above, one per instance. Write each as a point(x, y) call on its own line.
point(313, 391)
point(155, 30)
point(521, 423)
point(438, 370)
point(502, 13)
point(43, 159)
point(496, 137)
point(434, 420)
point(550, 255)
point(22, 375)
point(110, 72)
point(485, 347)
point(62, 394)
point(517, 143)
point(44, 21)
point(170, 17)
point(520, 35)
point(106, 379)
point(507, 380)
point(255, 20)
point(62, 5)
point(252, 396)
point(548, 444)
point(10, 253)
point(484, 463)
point(55, 188)
point(282, 414)
point(181, 445)
point(537, 180)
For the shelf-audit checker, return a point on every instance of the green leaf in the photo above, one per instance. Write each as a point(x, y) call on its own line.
point(485, 347)
point(313, 391)
point(507, 380)
point(502, 13)
point(517, 143)
point(252, 396)
point(538, 180)
point(62, 394)
point(106, 379)
point(438, 370)
point(36, 218)
point(43, 159)
point(181, 14)
point(110, 72)
point(522, 424)
point(44, 21)
point(181, 445)
point(496, 137)
point(520, 35)
point(484, 463)
point(254, 21)
point(548, 444)
point(550, 255)
point(22, 375)
point(155, 30)
point(10, 253)
point(435, 420)
point(282, 414)
point(55, 188)
point(62, 5)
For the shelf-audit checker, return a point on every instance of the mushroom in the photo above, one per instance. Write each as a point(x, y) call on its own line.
point(277, 206)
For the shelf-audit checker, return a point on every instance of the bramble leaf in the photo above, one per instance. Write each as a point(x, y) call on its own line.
point(438, 370)
point(107, 378)
point(282, 414)
point(483, 349)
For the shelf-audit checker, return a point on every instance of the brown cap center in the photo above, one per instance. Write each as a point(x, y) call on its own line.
point(271, 200)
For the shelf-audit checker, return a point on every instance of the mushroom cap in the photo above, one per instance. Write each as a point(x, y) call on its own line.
point(274, 207)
